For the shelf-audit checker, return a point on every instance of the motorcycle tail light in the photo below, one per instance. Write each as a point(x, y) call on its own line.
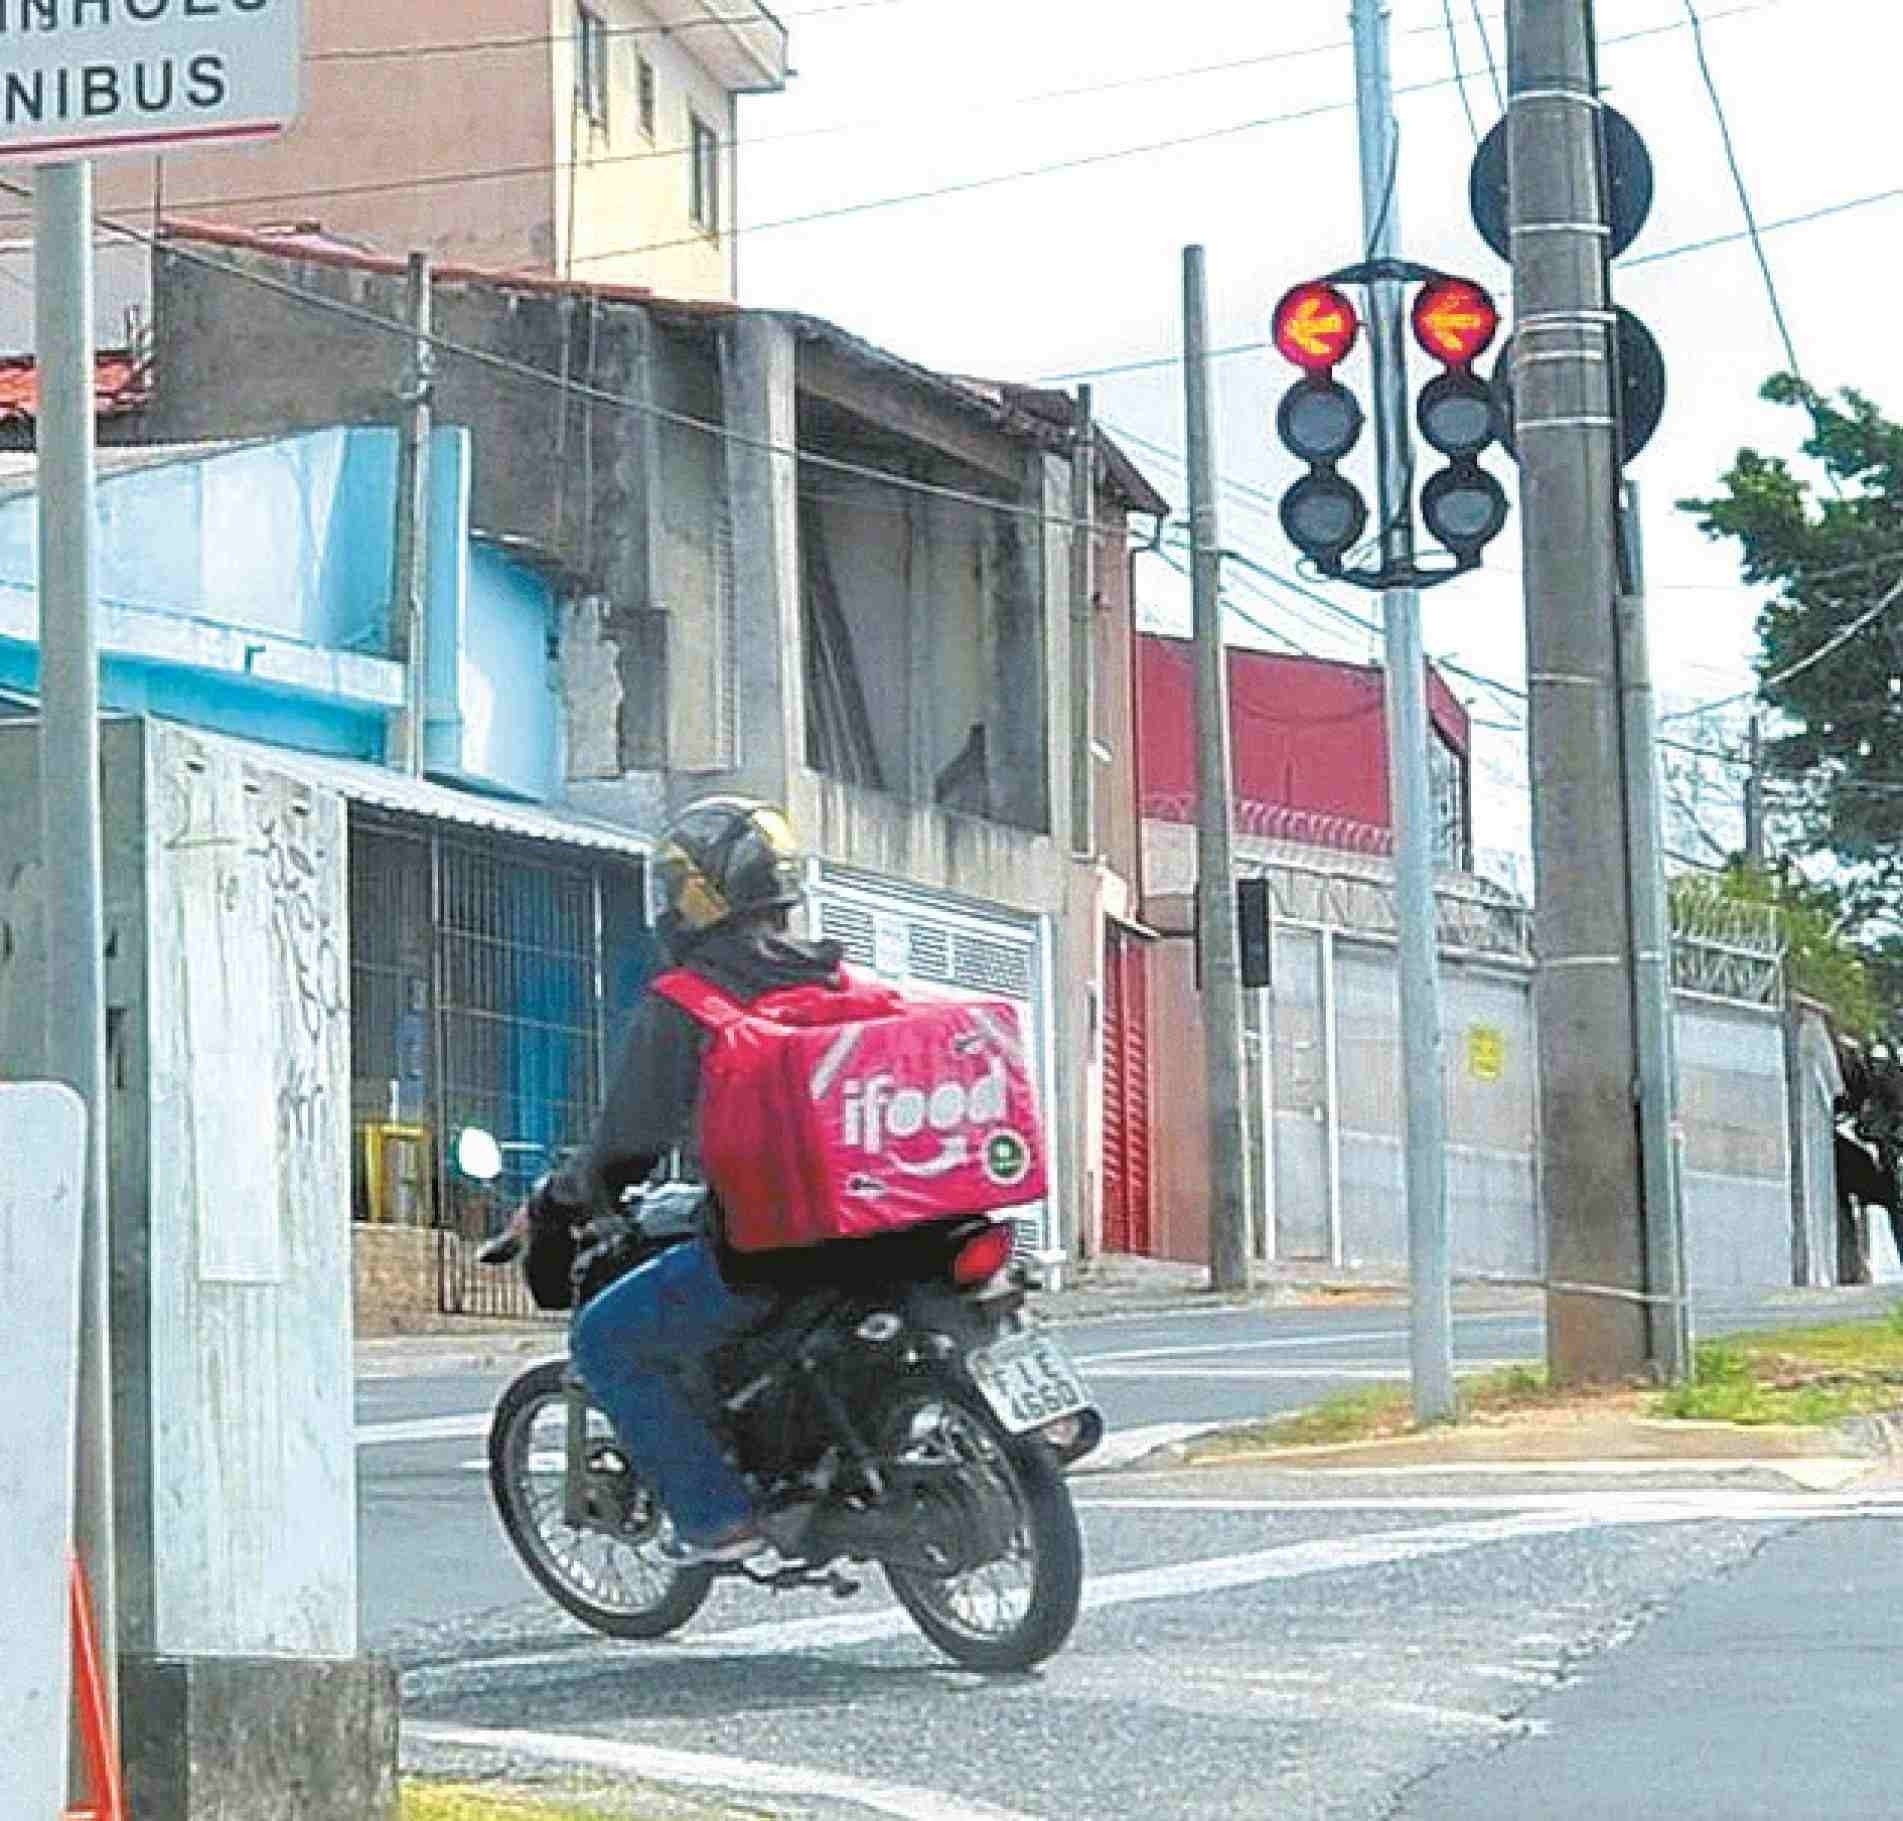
point(982, 1257)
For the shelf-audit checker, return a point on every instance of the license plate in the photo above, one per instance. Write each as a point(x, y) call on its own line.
point(1029, 1380)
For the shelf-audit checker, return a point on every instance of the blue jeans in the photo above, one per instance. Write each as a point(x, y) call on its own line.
point(634, 1344)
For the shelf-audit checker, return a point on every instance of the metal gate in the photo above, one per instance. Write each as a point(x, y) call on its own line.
point(478, 969)
point(909, 932)
point(1127, 1225)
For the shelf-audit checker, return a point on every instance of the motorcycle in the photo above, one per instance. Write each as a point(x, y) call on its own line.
point(917, 1419)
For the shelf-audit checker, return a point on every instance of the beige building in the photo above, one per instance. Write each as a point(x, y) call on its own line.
point(592, 139)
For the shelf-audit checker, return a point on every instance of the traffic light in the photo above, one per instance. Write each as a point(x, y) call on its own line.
point(1255, 932)
point(1319, 421)
point(1463, 507)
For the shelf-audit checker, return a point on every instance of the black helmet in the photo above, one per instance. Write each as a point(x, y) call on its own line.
point(719, 858)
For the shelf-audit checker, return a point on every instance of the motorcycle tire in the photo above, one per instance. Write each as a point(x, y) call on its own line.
point(557, 1554)
point(1047, 1535)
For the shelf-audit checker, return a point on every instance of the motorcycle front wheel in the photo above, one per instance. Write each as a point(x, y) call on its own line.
point(608, 1570)
point(1010, 1611)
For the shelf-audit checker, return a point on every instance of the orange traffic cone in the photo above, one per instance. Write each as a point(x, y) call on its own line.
point(98, 1735)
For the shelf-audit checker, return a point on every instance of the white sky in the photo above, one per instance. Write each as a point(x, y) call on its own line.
point(1048, 275)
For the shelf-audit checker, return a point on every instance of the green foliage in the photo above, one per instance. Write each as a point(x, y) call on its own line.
point(1824, 963)
point(1810, 1377)
point(1832, 551)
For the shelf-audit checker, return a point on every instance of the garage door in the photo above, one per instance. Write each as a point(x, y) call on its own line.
point(1127, 1226)
point(908, 933)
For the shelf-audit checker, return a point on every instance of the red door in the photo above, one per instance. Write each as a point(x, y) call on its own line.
point(1127, 1225)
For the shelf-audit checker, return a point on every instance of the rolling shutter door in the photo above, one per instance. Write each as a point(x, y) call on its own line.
point(908, 933)
point(1126, 1097)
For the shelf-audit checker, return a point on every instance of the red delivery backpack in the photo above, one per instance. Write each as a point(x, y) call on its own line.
point(842, 1110)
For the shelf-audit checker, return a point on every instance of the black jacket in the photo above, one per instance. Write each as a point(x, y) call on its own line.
point(653, 1099)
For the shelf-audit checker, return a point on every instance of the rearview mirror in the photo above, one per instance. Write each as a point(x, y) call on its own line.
point(478, 1156)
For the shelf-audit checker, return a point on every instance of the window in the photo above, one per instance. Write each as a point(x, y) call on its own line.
point(591, 66)
point(705, 175)
point(644, 94)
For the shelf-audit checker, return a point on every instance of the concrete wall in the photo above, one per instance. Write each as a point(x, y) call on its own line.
point(227, 1036)
point(1335, 1112)
point(255, 1488)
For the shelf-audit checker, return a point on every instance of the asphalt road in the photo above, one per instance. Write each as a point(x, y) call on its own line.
point(430, 1549)
point(1254, 1643)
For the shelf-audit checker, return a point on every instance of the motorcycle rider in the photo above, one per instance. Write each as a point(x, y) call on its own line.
point(724, 882)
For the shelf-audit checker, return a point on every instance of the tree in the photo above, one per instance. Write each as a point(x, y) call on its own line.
point(1831, 639)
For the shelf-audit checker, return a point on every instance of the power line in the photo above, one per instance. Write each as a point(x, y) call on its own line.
point(1744, 193)
point(681, 152)
point(572, 388)
point(1804, 219)
point(1493, 69)
point(381, 53)
point(1057, 167)
point(1460, 81)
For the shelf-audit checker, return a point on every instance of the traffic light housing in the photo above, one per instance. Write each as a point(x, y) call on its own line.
point(1254, 932)
point(1319, 421)
point(1463, 507)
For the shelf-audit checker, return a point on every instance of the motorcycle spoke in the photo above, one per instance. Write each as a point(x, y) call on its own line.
point(616, 1573)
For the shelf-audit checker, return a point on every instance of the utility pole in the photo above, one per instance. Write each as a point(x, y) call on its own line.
point(1083, 628)
point(1215, 841)
point(410, 569)
point(1565, 429)
point(71, 848)
point(1431, 1327)
point(1669, 1316)
point(1754, 847)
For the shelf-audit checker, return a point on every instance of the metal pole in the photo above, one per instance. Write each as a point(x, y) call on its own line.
point(1754, 848)
point(71, 844)
point(1431, 1327)
point(1670, 1318)
point(410, 580)
point(1215, 844)
point(1564, 426)
point(1083, 630)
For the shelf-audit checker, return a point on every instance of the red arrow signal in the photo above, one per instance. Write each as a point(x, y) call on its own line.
point(1315, 327)
point(1455, 321)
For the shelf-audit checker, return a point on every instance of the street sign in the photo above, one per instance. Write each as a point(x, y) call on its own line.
point(1628, 185)
point(1315, 327)
point(1641, 402)
point(89, 78)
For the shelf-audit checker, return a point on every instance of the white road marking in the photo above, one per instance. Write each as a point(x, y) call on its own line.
point(424, 1429)
point(1380, 1370)
point(1690, 1502)
point(1288, 1342)
point(1824, 1473)
point(1459, 1719)
point(1171, 1581)
point(707, 1770)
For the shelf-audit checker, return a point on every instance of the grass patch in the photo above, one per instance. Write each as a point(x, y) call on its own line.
point(469, 1802)
point(1383, 1413)
point(430, 1799)
point(1811, 1377)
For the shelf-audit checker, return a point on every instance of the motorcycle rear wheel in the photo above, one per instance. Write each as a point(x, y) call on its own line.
point(978, 1617)
point(609, 1572)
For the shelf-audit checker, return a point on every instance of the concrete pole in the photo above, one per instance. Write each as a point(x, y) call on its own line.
point(1215, 841)
point(1669, 1322)
point(71, 844)
point(1564, 426)
point(1754, 847)
point(410, 579)
point(1083, 630)
point(1431, 1327)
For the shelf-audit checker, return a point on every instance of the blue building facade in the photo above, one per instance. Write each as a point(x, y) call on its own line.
point(246, 590)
